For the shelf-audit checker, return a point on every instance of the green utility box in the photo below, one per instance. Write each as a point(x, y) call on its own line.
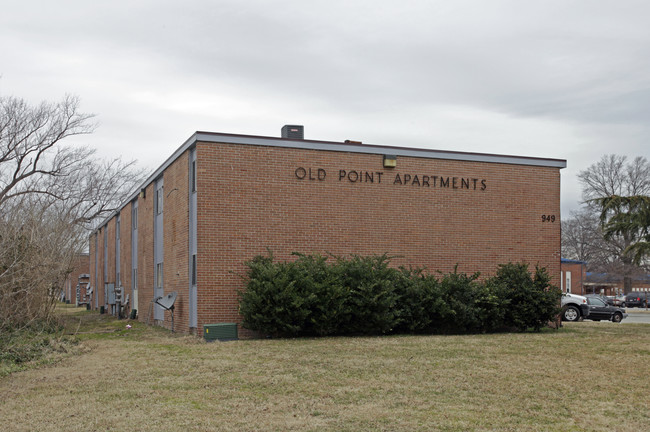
point(221, 332)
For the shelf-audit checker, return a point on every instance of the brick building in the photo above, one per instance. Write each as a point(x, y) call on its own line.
point(221, 199)
point(613, 284)
point(576, 279)
point(574, 276)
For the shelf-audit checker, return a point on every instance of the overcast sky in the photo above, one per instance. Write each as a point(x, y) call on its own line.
point(556, 78)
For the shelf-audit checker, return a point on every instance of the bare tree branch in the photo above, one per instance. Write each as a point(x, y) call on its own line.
point(51, 193)
point(29, 141)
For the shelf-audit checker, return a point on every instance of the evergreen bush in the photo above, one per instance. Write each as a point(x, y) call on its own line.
point(531, 301)
point(370, 293)
point(364, 295)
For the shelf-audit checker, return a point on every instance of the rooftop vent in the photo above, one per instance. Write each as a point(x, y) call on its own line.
point(293, 132)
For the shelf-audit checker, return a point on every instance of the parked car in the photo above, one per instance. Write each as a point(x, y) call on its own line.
point(618, 300)
point(636, 299)
point(574, 307)
point(610, 300)
point(600, 310)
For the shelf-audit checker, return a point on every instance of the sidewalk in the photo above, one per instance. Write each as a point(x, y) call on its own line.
point(637, 310)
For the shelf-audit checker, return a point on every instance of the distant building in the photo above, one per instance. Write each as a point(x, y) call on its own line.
point(221, 199)
point(576, 279)
point(610, 284)
point(80, 268)
point(573, 276)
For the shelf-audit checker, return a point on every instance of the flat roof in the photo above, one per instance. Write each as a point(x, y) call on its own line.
point(348, 146)
point(358, 147)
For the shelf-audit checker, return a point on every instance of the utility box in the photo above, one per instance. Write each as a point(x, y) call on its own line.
point(111, 293)
point(221, 332)
point(293, 132)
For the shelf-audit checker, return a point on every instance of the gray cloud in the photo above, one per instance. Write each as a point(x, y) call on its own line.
point(553, 79)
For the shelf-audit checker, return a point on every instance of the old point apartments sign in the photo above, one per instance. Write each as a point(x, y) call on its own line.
point(400, 179)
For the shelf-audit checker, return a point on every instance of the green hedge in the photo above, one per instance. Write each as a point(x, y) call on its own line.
point(364, 295)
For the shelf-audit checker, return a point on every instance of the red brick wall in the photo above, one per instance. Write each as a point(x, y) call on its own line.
point(176, 245)
point(639, 286)
point(125, 255)
point(145, 254)
point(110, 257)
point(176, 240)
point(250, 199)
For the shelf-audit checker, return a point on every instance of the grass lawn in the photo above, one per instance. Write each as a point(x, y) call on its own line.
point(583, 377)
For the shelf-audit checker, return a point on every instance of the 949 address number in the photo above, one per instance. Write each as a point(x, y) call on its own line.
point(548, 218)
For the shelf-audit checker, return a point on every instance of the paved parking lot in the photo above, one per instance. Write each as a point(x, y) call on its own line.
point(637, 315)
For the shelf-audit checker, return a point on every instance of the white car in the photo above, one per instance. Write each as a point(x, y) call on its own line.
point(574, 307)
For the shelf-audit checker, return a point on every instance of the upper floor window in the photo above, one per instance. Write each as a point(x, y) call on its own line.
point(193, 176)
point(159, 200)
point(134, 218)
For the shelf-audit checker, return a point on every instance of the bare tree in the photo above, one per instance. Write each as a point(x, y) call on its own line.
point(51, 192)
point(582, 238)
point(37, 248)
point(611, 176)
point(615, 175)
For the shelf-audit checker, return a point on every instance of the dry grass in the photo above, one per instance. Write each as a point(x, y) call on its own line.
point(586, 376)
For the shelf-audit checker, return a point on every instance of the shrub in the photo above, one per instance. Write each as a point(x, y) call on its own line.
point(418, 295)
point(324, 295)
point(363, 295)
point(271, 302)
point(491, 306)
point(531, 300)
point(370, 293)
point(303, 297)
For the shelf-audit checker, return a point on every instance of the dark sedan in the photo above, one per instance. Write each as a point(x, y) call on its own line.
point(599, 310)
point(636, 299)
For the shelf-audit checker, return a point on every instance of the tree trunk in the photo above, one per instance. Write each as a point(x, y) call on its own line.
point(627, 284)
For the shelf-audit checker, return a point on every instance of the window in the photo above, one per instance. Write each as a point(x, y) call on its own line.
point(568, 282)
point(595, 302)
point(159, 275)
point(194, 269)
point(193, 176)
point(159, 201)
